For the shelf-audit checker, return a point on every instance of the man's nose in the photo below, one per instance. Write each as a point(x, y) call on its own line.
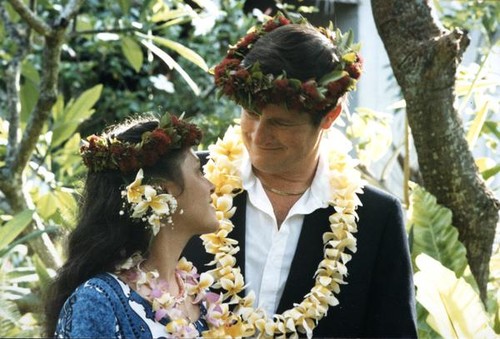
point(262, 132)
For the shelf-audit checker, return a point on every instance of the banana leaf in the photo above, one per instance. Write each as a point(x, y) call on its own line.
point(432, 231)
point(455, 310)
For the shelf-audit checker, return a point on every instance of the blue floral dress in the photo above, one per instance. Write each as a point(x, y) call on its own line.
point(104, 306)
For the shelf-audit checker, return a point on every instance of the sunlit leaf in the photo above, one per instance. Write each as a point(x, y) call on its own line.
point(455, 310)
point(172, 64)
point(46, 205)
point(183, 51)
point(477, 124)
point(133, 52)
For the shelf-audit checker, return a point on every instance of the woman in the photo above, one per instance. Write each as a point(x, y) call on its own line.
point(145, 197)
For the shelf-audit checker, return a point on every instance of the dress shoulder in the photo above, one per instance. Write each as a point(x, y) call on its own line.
point(104, 307)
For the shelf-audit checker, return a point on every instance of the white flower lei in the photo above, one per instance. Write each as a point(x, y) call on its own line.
point(222, 169)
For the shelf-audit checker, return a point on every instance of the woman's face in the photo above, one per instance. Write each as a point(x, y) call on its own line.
point(195, 209)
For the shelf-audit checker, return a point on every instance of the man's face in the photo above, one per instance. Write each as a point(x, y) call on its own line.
point(280, 141)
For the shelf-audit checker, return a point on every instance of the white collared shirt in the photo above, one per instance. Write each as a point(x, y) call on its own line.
point(269, 251)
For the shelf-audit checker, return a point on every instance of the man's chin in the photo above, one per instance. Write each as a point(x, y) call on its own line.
point(267, 165)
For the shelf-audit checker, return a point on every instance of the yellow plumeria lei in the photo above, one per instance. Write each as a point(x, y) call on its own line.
point(222, 169)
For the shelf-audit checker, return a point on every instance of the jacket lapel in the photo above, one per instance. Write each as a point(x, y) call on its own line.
point(238, 232)
point(307, 256)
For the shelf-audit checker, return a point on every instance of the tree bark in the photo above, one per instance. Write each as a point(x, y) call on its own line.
point(424, 57)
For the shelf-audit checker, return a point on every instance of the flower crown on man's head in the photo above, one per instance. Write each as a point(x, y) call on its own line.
point(252, 89)
point(106, 152)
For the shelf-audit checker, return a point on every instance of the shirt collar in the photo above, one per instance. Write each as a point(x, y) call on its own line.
point(315, 197)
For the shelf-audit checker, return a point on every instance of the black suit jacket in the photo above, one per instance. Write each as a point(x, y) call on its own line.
point(378, 300)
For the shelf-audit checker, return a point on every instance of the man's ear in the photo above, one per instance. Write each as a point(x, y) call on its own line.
point(331, 116)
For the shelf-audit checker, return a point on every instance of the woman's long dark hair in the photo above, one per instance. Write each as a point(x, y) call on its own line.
point(103, 238)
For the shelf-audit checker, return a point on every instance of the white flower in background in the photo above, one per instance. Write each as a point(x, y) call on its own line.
point(371, 134)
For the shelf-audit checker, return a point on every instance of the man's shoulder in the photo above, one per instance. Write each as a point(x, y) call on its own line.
point(374, 195)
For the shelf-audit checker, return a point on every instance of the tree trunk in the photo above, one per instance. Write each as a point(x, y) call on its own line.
point(19, 153)
point(424, 57)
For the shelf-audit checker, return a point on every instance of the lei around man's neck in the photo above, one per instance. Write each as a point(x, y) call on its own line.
point(106, 152)
point(252, 89)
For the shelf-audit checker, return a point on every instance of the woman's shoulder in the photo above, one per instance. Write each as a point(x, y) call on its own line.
point(101, 286)
point(100, 306)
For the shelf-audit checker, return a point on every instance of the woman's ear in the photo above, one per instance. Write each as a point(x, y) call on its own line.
point(171, 187)
point(331, 116)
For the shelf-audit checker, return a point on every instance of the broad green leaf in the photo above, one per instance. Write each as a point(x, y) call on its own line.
point(75, 112)
point(30, 72)
point(183, 51)
point(80, 108)
point(172, 64)
point(455, 310)
point(477, 125)
point(63, 131)
point(133, 52)
point(11, 229)
point(433, 232)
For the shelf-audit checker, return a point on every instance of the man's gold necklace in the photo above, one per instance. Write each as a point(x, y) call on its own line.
point(283, 193)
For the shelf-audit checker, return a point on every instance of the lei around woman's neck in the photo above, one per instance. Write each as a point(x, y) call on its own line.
point(106, 152)
point(252, 89)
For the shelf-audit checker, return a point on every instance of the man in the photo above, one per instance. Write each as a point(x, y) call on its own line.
point(296, 219)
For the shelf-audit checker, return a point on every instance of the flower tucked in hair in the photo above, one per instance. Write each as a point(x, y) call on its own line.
point(252, 89)
point(148, 203)
point(106, 152)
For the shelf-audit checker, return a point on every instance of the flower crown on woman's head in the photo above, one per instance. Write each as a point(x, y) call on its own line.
point(252, 89)
point(106, 152)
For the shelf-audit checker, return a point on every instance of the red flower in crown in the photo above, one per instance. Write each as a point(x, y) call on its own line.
point(108, 153)
point(247, 40)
